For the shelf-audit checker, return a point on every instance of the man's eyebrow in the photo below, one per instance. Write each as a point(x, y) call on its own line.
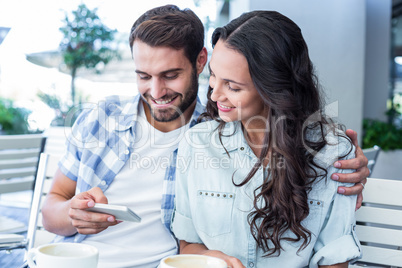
point(163, 72)
point(172, 70)
point(140, 72)
point(227, 80)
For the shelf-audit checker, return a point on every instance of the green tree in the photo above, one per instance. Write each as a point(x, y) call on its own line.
point(13, 120)
point(86, 43)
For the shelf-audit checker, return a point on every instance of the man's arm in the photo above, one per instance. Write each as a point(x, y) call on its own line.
point(64, 212)
point(359, 177)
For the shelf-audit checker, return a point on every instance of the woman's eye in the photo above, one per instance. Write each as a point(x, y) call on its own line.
point(233, 89)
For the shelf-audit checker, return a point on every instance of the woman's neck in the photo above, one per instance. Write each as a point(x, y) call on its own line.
point(254, 136)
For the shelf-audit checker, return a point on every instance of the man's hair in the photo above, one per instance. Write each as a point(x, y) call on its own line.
point(170, 27)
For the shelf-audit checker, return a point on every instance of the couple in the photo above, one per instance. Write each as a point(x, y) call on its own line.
point(262, 91)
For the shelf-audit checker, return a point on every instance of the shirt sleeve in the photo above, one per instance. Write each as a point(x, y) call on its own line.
point(337, 242)
point(182, 222)
point(69, 163)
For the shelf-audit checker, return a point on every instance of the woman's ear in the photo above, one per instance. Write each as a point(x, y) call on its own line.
point(201, 60)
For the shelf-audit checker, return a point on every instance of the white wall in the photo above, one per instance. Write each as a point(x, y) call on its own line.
point(335, 32)
point(376, 80)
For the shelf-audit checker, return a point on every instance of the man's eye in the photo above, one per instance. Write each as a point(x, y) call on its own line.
point(144, 77)
point(170, 77)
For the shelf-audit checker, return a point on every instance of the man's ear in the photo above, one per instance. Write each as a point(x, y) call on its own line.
point(201, 60)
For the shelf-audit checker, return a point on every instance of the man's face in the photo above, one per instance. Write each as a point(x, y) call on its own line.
point(167, 81)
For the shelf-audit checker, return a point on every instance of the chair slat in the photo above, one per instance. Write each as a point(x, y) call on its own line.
point(379, 216)
point(20, 141)
point(17, 173)
point(18, 163)
point(379, 223)
point(379, 235)
point(19, 154)
point(382, 256)
point(385, 192)
point(52, 166)
point(20, 185)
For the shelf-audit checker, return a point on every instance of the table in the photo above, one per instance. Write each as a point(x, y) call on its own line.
point(15, 258)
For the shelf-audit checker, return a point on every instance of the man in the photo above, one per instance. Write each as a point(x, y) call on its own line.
point(123, 151)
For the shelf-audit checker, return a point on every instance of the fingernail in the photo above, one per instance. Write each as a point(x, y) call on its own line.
point(337, 165)
point(341, 190)
point(119, 221)
point(91, 204)
point(335, 177)
point(110, 219)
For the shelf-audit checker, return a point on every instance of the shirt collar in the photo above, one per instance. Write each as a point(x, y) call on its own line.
point(126, 112)
point(233, 138)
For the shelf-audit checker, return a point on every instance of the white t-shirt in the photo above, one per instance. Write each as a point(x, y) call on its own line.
point(139, 186)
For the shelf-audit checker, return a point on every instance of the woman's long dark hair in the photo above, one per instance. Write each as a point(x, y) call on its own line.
point(283, 74)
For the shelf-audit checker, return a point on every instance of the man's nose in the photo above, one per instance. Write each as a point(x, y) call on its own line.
point(157, 88)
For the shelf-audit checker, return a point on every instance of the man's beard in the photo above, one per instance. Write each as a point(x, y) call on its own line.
point(172, 113)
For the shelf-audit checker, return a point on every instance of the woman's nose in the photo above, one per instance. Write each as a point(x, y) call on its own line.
point(216, 94)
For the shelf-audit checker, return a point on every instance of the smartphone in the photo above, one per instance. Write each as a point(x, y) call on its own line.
point(121, 213)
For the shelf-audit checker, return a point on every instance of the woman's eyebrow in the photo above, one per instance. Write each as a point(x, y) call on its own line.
point(232, 81)
point(227, 80)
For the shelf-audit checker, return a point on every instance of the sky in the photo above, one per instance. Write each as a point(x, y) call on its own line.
point(35, 28)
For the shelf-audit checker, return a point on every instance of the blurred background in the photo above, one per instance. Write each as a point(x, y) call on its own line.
point(356, 47)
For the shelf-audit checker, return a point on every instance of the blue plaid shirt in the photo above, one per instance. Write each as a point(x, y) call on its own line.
point(101, 142)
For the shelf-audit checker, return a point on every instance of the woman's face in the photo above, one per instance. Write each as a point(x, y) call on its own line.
point(233, 89)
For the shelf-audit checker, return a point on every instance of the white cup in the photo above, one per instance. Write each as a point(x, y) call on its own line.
point(63, 255)
point(193, 261)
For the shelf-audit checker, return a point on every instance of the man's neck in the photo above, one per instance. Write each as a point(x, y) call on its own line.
point(171, 125)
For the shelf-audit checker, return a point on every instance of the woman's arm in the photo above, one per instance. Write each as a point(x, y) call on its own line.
point(338, 265)
point(201, 249)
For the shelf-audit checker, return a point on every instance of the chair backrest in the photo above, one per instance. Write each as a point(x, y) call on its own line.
point(19, 159)
point(37, 235)
point(372, 154)
point(56, 140)
point(379, 223)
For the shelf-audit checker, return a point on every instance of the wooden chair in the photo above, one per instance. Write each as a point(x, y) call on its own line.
point(379, 224)
point(36, 235)
point(372, 154)
point(56, 140)
point(19, 156)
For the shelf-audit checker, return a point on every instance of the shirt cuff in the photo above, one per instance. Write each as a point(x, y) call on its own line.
point(344, 249)
point(183, 229)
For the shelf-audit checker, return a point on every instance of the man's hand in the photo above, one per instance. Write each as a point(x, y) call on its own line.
point(359, 177)
point(89, 222)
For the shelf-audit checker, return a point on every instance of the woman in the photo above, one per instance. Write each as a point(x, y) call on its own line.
point(256, 191)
